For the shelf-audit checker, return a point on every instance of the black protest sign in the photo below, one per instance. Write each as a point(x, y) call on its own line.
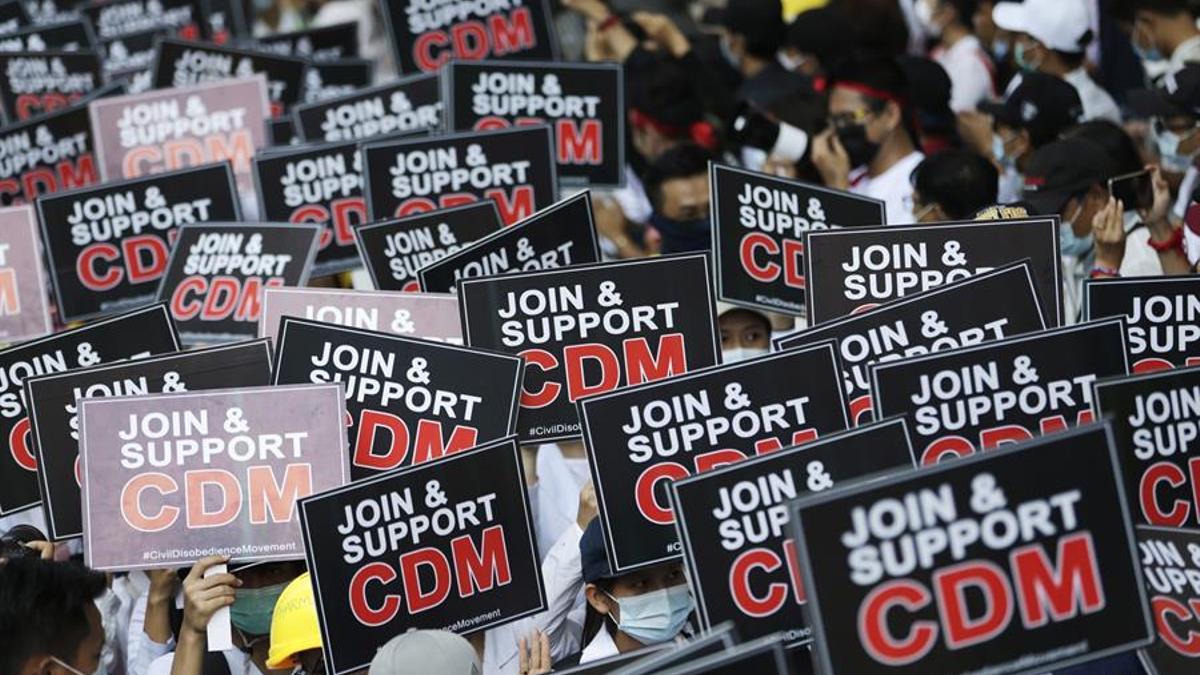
point(615, 663)
point(512, 167)
point(46, 154)
point(852, 270)
point(714, 641)
point(427, 36)
point(68, 36)
point(130, 58)
point(142, 332)
point(13, 16)
point(973, 566)
point(405, 106)
point(34, 83)
point(334, 79)
point(640, 438)
point(53, 410)
point(324, 43)
point(108, 245)
point(733, 525)
point(1155, 419)
point(315, 184)
point(759, 223)
point(590, 329)
point(444, 545)
point(1161, 313)
point(179, 63)
point(978, 398)
point(764, 656)
point(945, 318)
point(217, 272)
point(119, 18)
point(225, 20)
point(394, 250)
point(559, 236)
point(582, 102)
point(1170, 560)
point(280, 132)
point(409, 401)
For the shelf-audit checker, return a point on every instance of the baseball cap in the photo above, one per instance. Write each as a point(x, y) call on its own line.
point(760, 21)
point(1061, 25)
point(425, 651)
point(1179, 95)
point(1062, 169)
point(592, 557)
point(1043, 105)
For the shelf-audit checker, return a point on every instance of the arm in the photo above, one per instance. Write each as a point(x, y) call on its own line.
point(605, 28)
point(201, 598)
point(1166, 235)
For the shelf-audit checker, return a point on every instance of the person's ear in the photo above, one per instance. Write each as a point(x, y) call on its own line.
point(598, 599)
point(892, 116)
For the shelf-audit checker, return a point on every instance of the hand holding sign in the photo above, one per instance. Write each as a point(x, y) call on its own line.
point(203, 596)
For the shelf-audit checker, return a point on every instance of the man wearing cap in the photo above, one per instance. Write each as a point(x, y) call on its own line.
point(753, 32)
point(1051, 38)
point(958, 50)
point(1164, 34)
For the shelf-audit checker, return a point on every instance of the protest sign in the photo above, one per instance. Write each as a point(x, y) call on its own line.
point(24, 303)
point(444, 545)
point(764, 656)
point(140, 333)
point(758, 225)
point(34, 83)
point(732, 523)
point(640, 438)
point(108, 245)
point(962, 401)
point(852, 270)
point(217, 272)
point(176, 128)
point(315, 184)
point(613, 664)
point(1170, 560)
point(407, 401)
point(971, 566)
point(180, 63)
point(323, 43)
point(429, 316)
point(587, 330)
point(52, 401)
point(512, 167)
point(1162, 315)
point(394, 250)
point(944, 318)
point(171, 478)
point(427, 36)
point(129, 58)
point(13, 16)
point(559, 236)
point(407, 105)
point(280, 132)
point(1155, 419)
point(714, 641)
point(46, 154)
point(226, 20)
point(582, 102)
point(334, 79)
point(119, 18)
point(68, 36)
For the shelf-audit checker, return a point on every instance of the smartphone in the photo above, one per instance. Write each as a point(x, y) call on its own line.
point(1135, 190)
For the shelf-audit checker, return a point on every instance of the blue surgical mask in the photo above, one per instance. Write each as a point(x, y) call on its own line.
point(1022, 59)
point(998, 150)
point(1070, 243)
point(252, 609)
point(1000, 50)
point(99, 667)
point(655, 617)
point(1168, 150)
point(1147, 54)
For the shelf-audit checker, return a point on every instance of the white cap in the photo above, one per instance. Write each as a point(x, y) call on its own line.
point(1058, 24)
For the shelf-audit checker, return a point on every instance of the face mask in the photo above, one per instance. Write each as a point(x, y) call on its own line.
point(924, 10)
point(99, 667)
point(1072, 244)
point(1000, 50)
point(1168, 149)
point(252, 608)
point(1022, 59)
point(655, 617)
point(1148, 54)
point(728, 55)
point(682, 235)
point(859, 148)
point(792, 63)
point(742, 353)
point(998, 150)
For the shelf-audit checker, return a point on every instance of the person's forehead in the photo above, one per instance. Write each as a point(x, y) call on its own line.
point(845, 99)
point(687, 188)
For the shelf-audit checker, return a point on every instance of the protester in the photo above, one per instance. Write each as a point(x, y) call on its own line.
point(745, 333)
point(1164, 34)
point(426, 651)
point(49, 623)
point(753, 35)
point(677, 185)
point(295, 634)
point(952, 185)
point(958, 50)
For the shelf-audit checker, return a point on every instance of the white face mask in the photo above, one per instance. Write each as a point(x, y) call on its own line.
point(1168, 150)
point(654, 617)
point(742, 353)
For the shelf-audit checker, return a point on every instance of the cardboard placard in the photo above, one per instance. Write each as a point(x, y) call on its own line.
point(758, 225)
point(945, 318)
point(425, 37)
point(1170, 560)
point(171, 478)
point(176, 128)
point(315, 184)
point(34, 83)
point(118, 18)
point(323, 43)
point(334, 79)
point(46, 154)
point(24, 302)
point(217, 272)
point(67, 36)
point(641, 438)
point(393, 251)
point(142, 332)
point(1155, 419)
point(181, 63)
point(108, 245)
point(476, 566)
point(733, 525)
point(764, 656)
point(1161, 313)
point(408, 105)
point(559, 236)
point(513, 167)
point(13, 16)
point(226, 20)
point(407, 401)
point(613, 664)
point(587, 330)
point(714, 641)
point(583, 103)
point(852, 270)
point(974, 399)
point(971, 566)
point(130, 58)
point(53, 410)
point(429, 316)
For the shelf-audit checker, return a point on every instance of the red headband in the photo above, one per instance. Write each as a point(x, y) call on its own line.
point(701, 133)
point(868, 90)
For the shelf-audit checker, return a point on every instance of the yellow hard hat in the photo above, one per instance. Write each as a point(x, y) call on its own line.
point(294, 626)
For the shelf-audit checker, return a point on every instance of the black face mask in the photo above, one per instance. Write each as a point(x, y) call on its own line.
point(679, 236)
point(859, 148)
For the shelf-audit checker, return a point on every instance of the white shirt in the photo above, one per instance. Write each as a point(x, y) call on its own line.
point(1187, 52)
point(1140, 260)
point(893, 187)
point(970, 71)
point(557, 496)
point(1097, 104)
point(601, 647)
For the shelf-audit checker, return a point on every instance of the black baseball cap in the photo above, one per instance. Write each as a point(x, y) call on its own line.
point(1177, 96)
point(760, 21)
point(592, 557)
point(1063, 169)
point(1043, 105)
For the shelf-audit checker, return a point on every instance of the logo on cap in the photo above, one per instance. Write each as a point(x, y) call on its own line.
point(1029, 110)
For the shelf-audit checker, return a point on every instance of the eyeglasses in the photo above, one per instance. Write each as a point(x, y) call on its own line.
point(849, 119)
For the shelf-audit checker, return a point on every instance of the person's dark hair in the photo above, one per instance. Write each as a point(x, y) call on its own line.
point(966, 11)
point(43, 609)
point(1115, 141)
point(681, 161)
point(879, 79)
point(825, 32)
point(882, 28)
point(1164, 7)
point(593, 620)
point(959, 181)
point(1072, 60)
point(662, 89)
